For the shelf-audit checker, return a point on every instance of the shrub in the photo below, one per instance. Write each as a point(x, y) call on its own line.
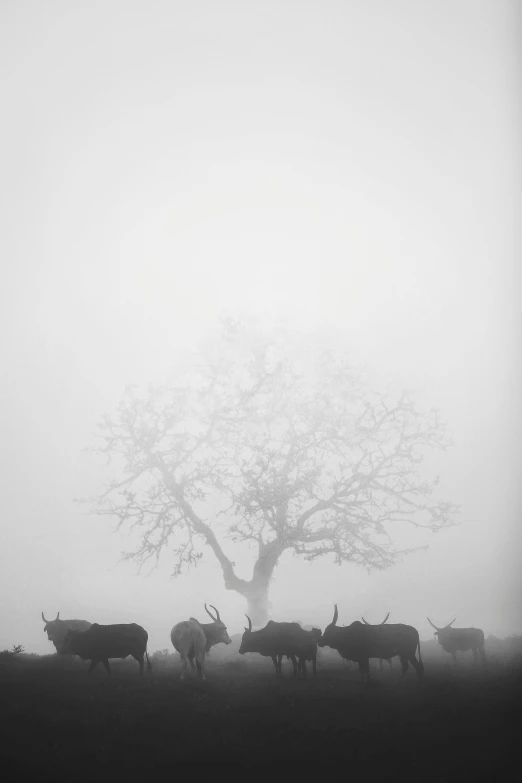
point(7, 656)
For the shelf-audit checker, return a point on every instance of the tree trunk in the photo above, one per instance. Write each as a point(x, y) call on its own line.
point(255, 590)
point(258, 606)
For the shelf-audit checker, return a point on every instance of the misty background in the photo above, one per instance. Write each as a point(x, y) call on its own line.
point(343, 164)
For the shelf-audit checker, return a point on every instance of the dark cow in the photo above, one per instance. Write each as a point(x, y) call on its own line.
point(102, 642)
point(390, 660)
point(281, 639)
point(56, 630)
point(359, 642)
point(306, 651)
point(454, 640)
point(193, 639)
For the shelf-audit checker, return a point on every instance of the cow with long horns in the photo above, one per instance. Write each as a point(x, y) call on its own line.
point(102, 642)
point(389, 660)
point(359, 643)
point(193, 639)
point(56, 630)
point(454, 640)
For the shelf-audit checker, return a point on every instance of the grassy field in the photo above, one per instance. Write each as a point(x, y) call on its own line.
point(459, 724)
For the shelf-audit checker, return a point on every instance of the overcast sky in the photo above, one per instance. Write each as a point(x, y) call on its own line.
point(351, 164)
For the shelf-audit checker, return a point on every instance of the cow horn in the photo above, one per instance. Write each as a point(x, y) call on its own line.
point(217, 613)
point(385, 618)
point(57, 618)
point(336, 615)
point(210, 613)
point(249, 623)
point(364, 621)
point(433, 624)
point(448, 625)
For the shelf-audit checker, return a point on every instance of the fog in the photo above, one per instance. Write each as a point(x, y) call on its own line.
point(347, 165)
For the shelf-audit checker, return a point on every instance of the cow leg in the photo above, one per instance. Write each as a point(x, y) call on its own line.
point(404, 664)
point(303, 668)
point(418, 666)
point(364, 669)
point(314, 666)
point(367, 670)
point(200, 664)
point(475, 656)
point(482, 655)
point(92, 667)
point(184, 661)
point(107, 666)
point(454, 656)
point(192, 665)
point(390, 663)
point(294, 665)
point(140, 661)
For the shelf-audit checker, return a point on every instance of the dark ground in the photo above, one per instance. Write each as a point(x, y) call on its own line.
point(459, 724)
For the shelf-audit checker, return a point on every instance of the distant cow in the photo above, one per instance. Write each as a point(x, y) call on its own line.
point(389, 660)
point(193, 639)
point(454, 640)
point(57, 629)
point(276, 640)
point(102, 642)
point(359, 643)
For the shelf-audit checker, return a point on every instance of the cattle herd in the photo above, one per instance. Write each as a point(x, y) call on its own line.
point(357, 642)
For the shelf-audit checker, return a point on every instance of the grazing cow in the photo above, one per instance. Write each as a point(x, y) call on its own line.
point(390, 660)
point(57, 629)
point(193, 639)
point(454, 640)
point(276, 640)
point(102, 642)
point(359, 643)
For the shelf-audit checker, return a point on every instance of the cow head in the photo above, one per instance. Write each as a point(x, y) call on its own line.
point(383, 622)
point(68, 646)
point(246, 640)
point(442, 634)
point(316, 633)
point(216, 631)
point(77, 642)
point(331, 632)
point(56, 630)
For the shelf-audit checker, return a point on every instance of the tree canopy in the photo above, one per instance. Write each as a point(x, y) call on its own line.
point(277, 437)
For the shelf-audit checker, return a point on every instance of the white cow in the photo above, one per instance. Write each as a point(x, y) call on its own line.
point(193, 639)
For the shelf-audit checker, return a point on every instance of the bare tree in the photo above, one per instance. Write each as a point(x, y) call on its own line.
point(282, 439)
